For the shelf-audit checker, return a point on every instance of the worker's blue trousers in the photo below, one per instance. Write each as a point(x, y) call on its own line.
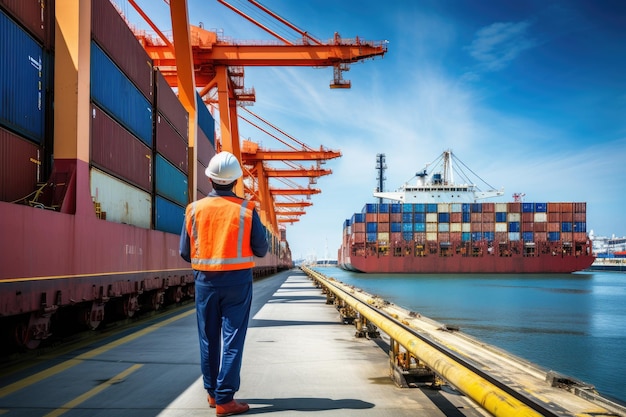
point(223, 313)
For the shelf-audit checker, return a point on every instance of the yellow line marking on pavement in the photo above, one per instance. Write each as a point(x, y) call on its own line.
point(93, 392)
point(40, 376)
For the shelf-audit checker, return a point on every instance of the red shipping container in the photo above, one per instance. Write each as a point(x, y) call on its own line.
point(206, 151)
point(567, 207)
point(489, 217)
point(395, 217)
point(383, 218)
point(514, 207)
point(554, 217)
point(112, 33)
point(528, 217)
point(383, 227)
point(489, 207)
point(18, 166)
point(36, 16)
point(358, 227)
point(396, 238)
point(554, 227)
point(541, 227)
point(358, 237)
point(567, 217)
point(171, 144)
point(476, 217)
point(580, 217)
point(456, 236)
point(476, 227)
point(554, 207)
point(580, 236)
point(502, 237)
point(528, 226)
point(118, 152)
point(580, 207)
point(541, 236)
point(170, 106)
point(371, 218)
point(489, 227)
point(204, 185)
point(443, 237)
point(456, 217)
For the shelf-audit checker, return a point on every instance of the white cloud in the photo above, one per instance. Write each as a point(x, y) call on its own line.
point(496, 45)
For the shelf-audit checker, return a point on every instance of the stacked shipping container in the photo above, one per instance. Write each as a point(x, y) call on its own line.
point(462, 222)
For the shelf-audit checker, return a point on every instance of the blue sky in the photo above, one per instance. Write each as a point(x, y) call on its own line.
point(530, 94)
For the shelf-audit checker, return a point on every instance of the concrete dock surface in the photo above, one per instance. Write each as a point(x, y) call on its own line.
point(300, 359)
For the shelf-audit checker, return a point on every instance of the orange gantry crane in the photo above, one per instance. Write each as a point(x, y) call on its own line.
point(199, 60)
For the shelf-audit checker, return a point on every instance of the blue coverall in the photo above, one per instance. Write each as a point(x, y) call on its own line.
point(223, 302)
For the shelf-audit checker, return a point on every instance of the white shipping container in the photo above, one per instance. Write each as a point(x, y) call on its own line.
point(444, 227)
point(513, 217)
point(431, 236)
point(431, 227)
point(541, 217)
point(455, 227)
point(466, 227)
point(120, 201)
point(501, 227)
point(456, 207)
point(443, 207)
point(501, 207)
point(431, 218)
point(514, 236)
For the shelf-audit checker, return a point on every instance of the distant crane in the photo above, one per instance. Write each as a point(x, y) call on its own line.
point(517, 197)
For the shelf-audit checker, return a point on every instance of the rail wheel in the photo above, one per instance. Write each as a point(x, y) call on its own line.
point(131, 305)
point(24, 338)
point(29, 332)
point(93, 316)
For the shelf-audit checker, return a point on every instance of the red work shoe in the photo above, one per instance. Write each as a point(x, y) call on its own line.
point(211, 401)
point(231, 408)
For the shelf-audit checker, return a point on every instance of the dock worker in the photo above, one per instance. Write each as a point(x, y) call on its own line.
point(221, 235)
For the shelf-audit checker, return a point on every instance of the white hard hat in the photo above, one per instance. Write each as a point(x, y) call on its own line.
point(224, 168)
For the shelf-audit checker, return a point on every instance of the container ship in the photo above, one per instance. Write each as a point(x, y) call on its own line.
point(438, 226)
point(95, 173)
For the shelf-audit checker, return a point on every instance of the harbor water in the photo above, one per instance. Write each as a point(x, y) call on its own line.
point(574, 324)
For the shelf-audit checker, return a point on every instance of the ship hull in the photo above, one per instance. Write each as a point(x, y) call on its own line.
point(468, 265)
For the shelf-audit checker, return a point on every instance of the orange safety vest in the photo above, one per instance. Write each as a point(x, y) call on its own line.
point(219, 230)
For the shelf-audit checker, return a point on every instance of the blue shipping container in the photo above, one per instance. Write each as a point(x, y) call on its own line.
point(371, 208)
point(407, 227)
point(566, 226)
point(467, 217)
point(407, 208)
point(119, 97)
point(407, 218)
point(465, 207)
point(371, 237)
point(419, 208)
point(444, 217)
point(371, 227)
point(419, 217)
point(490, 236)
point(528, 236)
point(580, 226)
point(205, 120)
point(396, 227)
point(466, 236)
point(358, 218)
point(169, 217)
point(408, 236)
point(541, 207)
point(23, 81)
point(514, 227)
point(431, 208)
point(500, 217)
point(170, 182)
point(554, 236)
point(396, 208)
point(477, 208)
point(419, 227)
point(383, 208)
point(528, 207)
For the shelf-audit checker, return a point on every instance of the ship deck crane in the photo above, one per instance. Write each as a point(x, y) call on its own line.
point(199, 59)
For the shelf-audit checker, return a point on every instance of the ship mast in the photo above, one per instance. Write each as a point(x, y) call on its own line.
point(380, 177)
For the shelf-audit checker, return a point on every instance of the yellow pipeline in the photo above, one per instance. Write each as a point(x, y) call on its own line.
point(490, 397)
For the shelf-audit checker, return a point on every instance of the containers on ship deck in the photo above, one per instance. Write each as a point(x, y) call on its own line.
point(19, 166)
point(36, 16)
point(387, 224)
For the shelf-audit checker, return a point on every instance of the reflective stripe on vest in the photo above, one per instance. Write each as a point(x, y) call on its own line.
point(216, 253)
